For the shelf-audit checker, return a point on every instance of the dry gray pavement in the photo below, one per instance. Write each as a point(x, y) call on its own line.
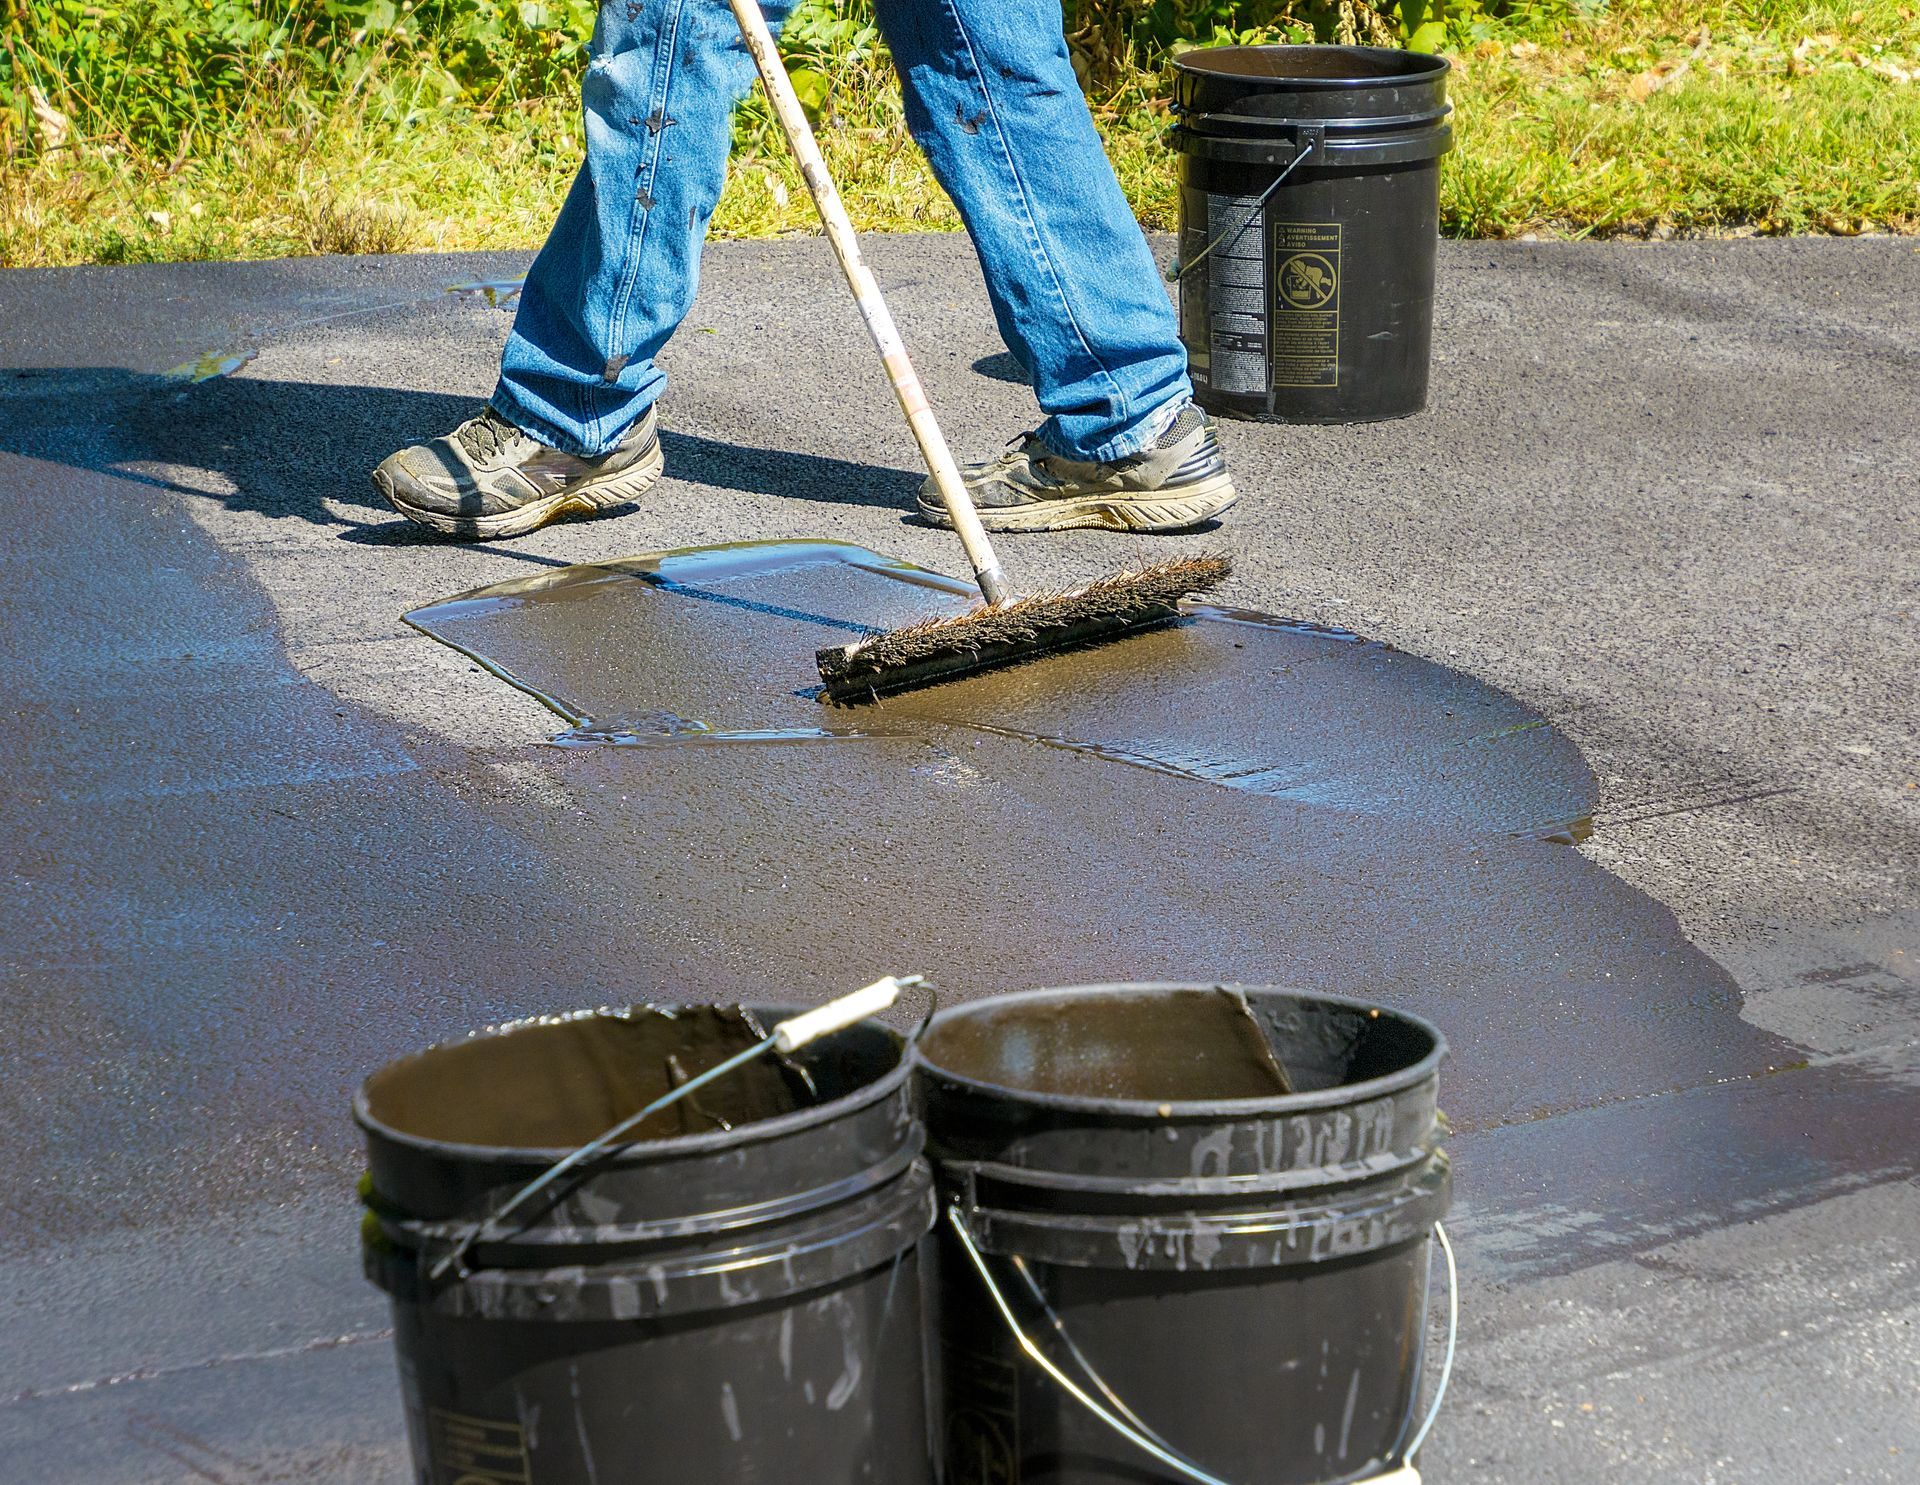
point(258, 835)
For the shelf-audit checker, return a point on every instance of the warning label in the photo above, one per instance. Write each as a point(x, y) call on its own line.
point(1305, 349)
point(475, 1451)
point(1237, 295)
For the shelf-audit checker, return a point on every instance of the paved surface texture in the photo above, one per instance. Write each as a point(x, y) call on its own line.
point(259, 835)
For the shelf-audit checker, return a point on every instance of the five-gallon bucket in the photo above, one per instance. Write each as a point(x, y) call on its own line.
point(1309, 219)
point(1228, 1281)
point(735, 1296)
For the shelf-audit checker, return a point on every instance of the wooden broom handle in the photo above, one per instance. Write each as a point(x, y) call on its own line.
point(873, 308)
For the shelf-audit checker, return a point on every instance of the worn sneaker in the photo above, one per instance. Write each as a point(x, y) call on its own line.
point(488, 479)
point(1181, 481)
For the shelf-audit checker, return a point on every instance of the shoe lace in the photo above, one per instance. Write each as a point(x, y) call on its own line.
point(1034, 450)
point(486, 436)
point(1020, 445)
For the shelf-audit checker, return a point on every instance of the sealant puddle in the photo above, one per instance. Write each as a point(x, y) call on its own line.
point(1269, 707)
point(707, 646)
point(1231, 798)
point(715, 645)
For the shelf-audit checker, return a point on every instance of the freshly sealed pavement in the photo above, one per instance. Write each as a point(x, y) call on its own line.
point(1650, 561)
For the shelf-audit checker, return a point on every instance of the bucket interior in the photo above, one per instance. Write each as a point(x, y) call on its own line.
point(1323, 65)
point(558, 1082)
point(1173, 1044)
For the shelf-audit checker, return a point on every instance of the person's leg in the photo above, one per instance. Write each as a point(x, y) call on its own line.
point(992, 98)
point(619, 271)
point(570, 427)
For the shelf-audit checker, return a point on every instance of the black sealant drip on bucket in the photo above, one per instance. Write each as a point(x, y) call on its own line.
point(576, 1075)
point(1309, 218)
point(739, 1301)
point(1240, 1273)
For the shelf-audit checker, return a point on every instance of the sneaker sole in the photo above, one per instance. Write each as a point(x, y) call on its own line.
point(1157, 511)
point(589, 497)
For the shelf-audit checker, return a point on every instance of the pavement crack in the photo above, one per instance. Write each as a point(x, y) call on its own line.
point(158, 1373)
point(1679, 1090)
point(1608, 819)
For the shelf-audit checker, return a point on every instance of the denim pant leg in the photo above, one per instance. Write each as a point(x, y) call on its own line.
point(992, 98)
point(619, 271)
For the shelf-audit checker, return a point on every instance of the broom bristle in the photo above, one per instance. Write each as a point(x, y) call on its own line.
point(939, 649)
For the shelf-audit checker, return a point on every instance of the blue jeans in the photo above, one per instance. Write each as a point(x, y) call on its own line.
point(992, 99)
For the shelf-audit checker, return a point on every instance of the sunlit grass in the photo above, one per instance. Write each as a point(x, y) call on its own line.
point(1657, 117)
point(1760, 116)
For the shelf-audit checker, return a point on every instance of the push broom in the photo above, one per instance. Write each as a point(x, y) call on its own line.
point(1006, 628)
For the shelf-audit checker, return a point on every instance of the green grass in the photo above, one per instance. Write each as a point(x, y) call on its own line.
point(1654, 117)
point(1760, 116)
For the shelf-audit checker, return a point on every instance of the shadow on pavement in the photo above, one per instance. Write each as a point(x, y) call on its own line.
point(303, 450)
point(1003, 366)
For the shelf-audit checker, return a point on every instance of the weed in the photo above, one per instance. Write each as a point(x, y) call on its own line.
point(354, 227)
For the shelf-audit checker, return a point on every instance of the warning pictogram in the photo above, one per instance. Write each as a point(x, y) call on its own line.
point(1305, 333)
point(1308, 280)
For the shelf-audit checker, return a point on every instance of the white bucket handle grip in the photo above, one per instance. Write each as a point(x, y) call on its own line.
point(837, 1015)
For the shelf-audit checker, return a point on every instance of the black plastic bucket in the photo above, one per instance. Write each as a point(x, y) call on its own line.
point(1244, 1277)
point(1309, 220)
point(740, 1304)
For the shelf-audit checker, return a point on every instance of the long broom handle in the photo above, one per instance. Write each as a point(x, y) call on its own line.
point(873, 308)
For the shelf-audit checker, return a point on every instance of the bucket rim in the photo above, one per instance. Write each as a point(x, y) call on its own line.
point(1435, 67)
point(646, 1151)
point(1277, 1105)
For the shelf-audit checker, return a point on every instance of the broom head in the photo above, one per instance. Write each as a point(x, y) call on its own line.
point(985, 637)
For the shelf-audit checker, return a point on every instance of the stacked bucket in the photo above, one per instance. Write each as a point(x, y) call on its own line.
point(1065, 1236)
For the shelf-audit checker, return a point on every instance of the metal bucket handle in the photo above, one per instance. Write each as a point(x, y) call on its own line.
point(1308, 138)
point(1122, 1419)
point(788, 1036)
